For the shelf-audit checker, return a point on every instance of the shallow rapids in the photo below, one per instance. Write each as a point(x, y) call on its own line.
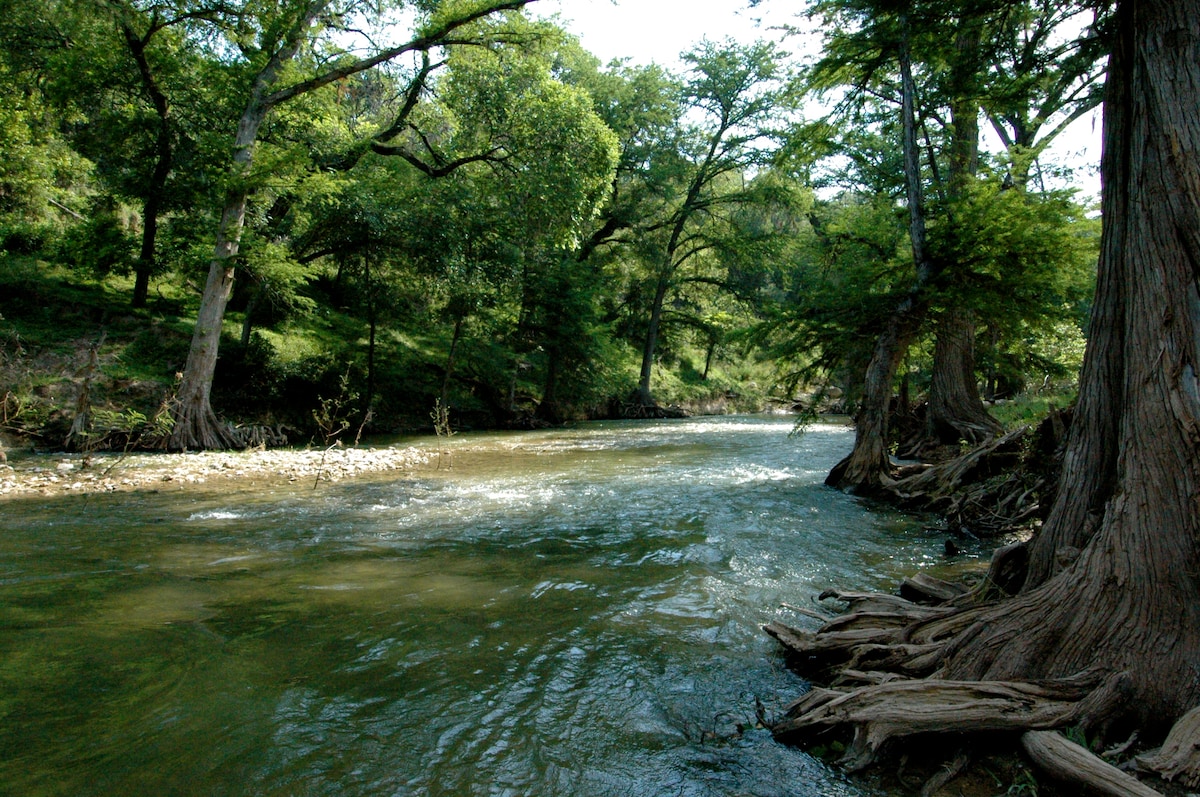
point(569, 612)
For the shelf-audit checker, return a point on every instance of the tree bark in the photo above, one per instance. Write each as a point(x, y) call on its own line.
point(956, 410)
point(643, 396)
point(163, 154)
point(1131, 598)
point(1123, 610)
point(1066, 761)
point(196, 424)
point(867, 470)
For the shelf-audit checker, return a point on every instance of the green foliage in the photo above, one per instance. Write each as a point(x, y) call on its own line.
point(102, 245)
point(510, 200)
point(1027, 409)
point(1024, 785)
point(106, 428)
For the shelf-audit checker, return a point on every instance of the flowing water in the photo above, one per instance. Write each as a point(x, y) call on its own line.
point(569, 612)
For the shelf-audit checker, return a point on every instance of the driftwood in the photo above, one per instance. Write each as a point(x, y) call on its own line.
point(906, 708)
point(924, 588)
point(1063, 760)
point(1004, 484)
point(1179, 757)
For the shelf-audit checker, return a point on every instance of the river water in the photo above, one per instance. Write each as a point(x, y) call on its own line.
point(568, 612)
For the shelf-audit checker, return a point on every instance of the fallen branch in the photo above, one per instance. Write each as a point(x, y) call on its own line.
point(906, 708)
point(1066, 761)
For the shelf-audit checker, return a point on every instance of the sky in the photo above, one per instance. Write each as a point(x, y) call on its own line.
point(658, 31)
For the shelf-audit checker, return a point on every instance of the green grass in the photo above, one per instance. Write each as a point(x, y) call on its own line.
point(1030, 408)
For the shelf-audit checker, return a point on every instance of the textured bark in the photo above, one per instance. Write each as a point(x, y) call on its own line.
point(1121, 609)
point(1131, 598)
point(196, 424)
point(1066, 761)
point(1179, 758)
point(956, 410)
point(907, 708)
point(868, 468)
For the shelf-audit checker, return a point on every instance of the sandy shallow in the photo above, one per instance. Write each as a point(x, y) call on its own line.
point(56, 474)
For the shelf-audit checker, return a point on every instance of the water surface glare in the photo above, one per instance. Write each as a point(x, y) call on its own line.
point(568, 612)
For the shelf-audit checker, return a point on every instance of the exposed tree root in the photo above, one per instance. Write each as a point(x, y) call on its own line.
point(877, 634)
point(639, 410)
point(1063, 760)
point(924, 588)
point(885, 657)
point(1179, 757)
point(949, 772)
point(896, 709)
point(1004, 484)
point(983, 487)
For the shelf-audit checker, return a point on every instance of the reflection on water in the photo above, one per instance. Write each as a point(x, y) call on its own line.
point(559, 613)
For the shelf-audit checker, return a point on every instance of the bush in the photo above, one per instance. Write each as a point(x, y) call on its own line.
point(101, 246)
point(25, 238)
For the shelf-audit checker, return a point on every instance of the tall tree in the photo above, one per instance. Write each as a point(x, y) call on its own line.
point(1026, 64)
point(1111, 600)
point(1042, 76)
point(955, 408)
point(157, 52)
point(270, 44)
point(641, 105)
point(739, 94)
point(889, 35)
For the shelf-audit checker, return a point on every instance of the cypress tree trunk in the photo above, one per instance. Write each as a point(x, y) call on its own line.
point(956, 410)
point(1115, 574)
point(1106, 631)
point(868, 466)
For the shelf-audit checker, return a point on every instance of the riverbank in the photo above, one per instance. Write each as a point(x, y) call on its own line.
point(59, 473)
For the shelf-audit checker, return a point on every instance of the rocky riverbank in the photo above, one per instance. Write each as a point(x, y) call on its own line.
point(56, 474)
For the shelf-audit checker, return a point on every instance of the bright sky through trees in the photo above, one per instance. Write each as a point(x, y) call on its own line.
point(658, 31)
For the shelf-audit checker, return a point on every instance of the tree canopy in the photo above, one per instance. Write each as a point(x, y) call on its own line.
point(456, 203)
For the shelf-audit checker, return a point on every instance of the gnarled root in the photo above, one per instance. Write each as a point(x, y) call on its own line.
point(1179, 757)
point(877, 634)
point(906, 708)
point(1066, 761)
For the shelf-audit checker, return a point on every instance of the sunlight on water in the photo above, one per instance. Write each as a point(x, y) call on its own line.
point(566, 612)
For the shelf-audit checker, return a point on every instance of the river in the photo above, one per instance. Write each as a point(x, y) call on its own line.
point(564, 612)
